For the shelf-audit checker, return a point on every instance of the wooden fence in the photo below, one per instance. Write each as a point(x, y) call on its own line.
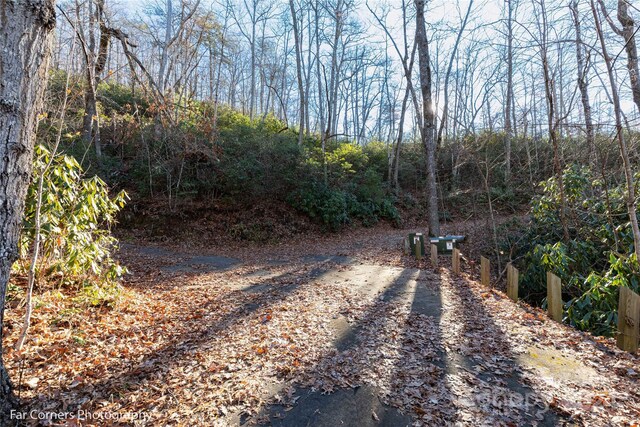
point(628, 305)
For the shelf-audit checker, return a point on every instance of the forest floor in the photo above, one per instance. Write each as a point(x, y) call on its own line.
point(319, 331)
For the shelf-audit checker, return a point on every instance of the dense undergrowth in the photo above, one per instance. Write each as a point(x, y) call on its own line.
point(593, 261)
point(220, 156)
point(231, 164)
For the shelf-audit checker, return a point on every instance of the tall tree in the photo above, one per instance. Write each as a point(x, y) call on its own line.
point(258, 12)
point(553, 120)
point(301, 91)
point(94, 43)
point(25, 42)
point(628, 32)
point(582, 75)
point(428, 113)
point(407, 58)
point(319, 77)
point(508, 126)
point(622, 143)
point(332, 90)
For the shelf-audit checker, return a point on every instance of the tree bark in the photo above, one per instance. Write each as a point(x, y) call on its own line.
point(164, 57)
point(582, 76)
point(395, 159)
point(628, 32)
point(622, 144)
point(90, 124)
point(428, 134)
point(25, 40)
point(316, 28)
point(332, 98)
point(301, 91)
point(509, 100)
point(552, 116)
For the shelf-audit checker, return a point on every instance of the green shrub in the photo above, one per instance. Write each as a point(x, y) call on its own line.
point(336, 208)
point(593, 262)
point(596, 310)
point(378, 155)
point(118, 98)
point(235, 159)
point(330, 207)
point(257, 163)
point(76, 216)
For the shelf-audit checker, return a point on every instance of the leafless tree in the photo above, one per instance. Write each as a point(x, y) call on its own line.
point(622, 143)
point(301, 89)
point(428, 113)
point(583, 67)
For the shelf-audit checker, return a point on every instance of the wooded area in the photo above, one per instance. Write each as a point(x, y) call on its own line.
point(200, 166)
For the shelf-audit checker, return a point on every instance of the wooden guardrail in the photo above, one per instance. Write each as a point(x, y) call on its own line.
point(628, 305)
point(628, 320)
point(455, 261)
point(434, 255)
point(512, 282)
point(485, 271)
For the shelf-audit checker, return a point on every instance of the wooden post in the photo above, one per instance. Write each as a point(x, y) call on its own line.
point(554, 297)
point(485, 271)
point(512, 282)
point(628, 320)
point(434, 255)
point(455, 261)
point(406, 246)
point(418, 246)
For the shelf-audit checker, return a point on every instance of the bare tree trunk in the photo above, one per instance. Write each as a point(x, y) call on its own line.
point(38, 223)
point(164, 58)
point(428, 134)
point(332, 100)
point(307, 75)
point(214, 128)
point(509, 101)
point(622, 144)
point(94, 61)
point(552, 119)
point(25, 41)
point(90, 133)
point(396, 156)
point(316, 29)
point(582, 78)
point(301, 91)
point(406, 58)
point(628, 32)
point(264, 106)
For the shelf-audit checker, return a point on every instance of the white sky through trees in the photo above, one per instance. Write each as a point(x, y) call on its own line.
point(481, 58)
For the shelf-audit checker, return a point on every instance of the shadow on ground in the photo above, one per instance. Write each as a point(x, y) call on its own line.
point(357, 406)
point(155, 365)
point(440, 384)
point(499, 392)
